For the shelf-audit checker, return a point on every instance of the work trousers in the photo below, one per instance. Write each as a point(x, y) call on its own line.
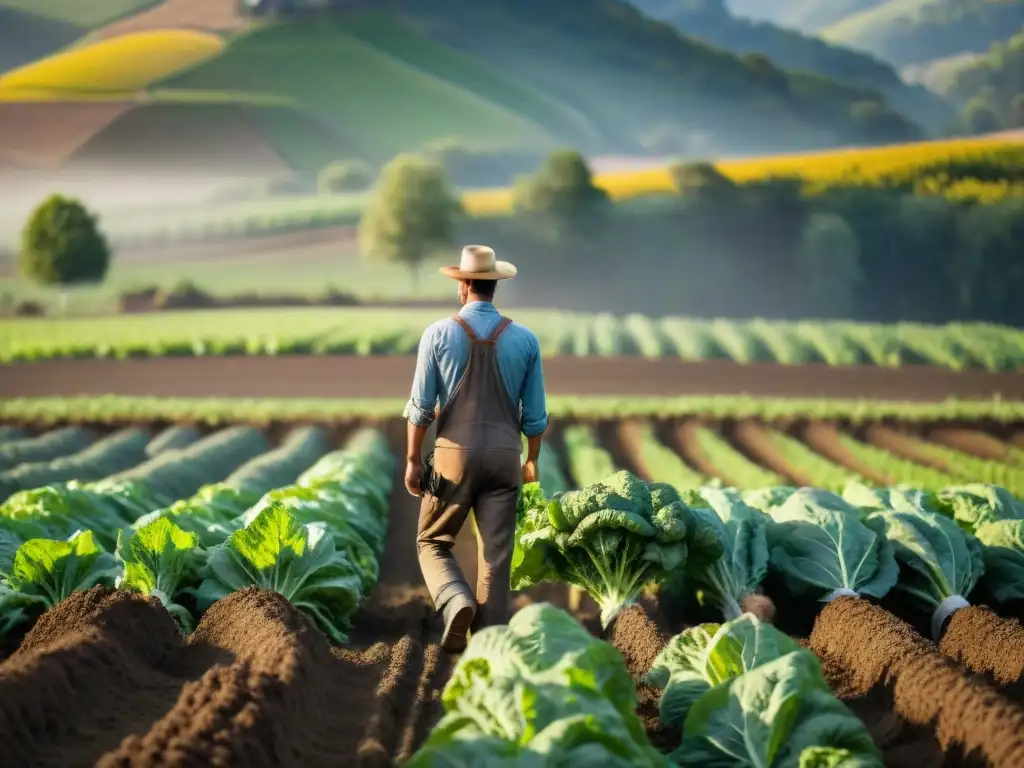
point(486, 481)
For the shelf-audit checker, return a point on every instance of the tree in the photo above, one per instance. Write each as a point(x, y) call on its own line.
point(411, 213)
point(874, 122)
point(829, 261)
point(981, 118)
point(344, 176)
point(1017, 111)
point(62, 244)
point(704, 182)
point(562, 193)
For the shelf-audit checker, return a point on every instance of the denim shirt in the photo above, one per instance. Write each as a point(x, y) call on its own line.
point(444, 352)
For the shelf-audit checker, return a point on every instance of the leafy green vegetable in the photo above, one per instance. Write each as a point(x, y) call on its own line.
point(276, 552)
point(940, 563)
point(744, 562)
point(1004, 558)
point(707, 655)
point(818, 542)
point(46, 571)
point(780, 714)
point(57, 511)
point(900, 498)
point(162, 560)
point(611, 538)
point(977, 503)
point(209, 513)
point(765, 499)
point(540, 691)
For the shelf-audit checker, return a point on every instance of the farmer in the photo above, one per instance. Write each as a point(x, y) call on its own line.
point(485, 373)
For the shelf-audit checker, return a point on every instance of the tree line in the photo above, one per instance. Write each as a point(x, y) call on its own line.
point(718, 248)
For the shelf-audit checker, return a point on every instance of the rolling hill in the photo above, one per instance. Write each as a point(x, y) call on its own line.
point(25, 37)
point(711, 20)
point(995, 79)
point(805, 15)
point(908, 32)
point(492, 75)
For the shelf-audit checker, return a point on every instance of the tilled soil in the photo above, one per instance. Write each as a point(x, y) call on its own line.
point(989, 645)
point(905, 689)
point(975, 442)
point(753, 441)
point(824, 438)
point(639, 633)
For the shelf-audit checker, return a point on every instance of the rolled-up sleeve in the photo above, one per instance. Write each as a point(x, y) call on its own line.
point(420, 408)
point(535, 413)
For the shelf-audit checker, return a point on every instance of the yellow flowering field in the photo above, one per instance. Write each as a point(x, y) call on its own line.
point(117, 65)
point(873, 166)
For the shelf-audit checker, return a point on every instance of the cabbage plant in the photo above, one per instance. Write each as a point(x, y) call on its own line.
point(541, 691)
point(278, 553)
point(162, 560)
point(611, 539)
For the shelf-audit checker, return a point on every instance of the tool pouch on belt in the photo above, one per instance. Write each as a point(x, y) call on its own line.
point(429, 482)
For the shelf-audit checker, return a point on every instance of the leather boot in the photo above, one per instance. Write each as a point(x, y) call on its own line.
point(458, 609)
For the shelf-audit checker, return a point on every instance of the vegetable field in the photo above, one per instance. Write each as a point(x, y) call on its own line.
point(370, 331)
point(729, 588)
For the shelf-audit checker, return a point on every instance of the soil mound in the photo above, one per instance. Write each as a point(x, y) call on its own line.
point(880, 656)
point(282, 699)
point(989, 645)
point(93, 669)
point(639, 634)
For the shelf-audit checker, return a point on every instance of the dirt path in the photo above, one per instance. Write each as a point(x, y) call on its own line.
point(904, 446)
point(824, 438)
point(684, 440)
point(975, 442)
point(753, 441)
point(390, 376)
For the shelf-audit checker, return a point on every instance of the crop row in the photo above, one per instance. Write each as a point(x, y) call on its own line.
point(360, 332)
point(194, 524)
point(739, 690)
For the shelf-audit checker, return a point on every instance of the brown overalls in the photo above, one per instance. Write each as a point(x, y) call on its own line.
point(476, 455)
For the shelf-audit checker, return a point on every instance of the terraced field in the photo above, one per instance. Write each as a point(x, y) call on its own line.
point(263, 681)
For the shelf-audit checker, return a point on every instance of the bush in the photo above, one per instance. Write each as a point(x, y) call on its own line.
point(62, 244)
point(469, 166)
point(344, 176)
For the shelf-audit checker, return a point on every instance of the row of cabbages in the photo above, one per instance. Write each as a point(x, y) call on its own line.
point(317, 541)
point(615, 537)
point(543, 691)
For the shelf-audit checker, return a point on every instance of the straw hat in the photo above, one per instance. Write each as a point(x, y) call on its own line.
point(478, 263)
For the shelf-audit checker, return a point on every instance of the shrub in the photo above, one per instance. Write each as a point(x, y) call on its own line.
point(344, 176)
point(62, 244)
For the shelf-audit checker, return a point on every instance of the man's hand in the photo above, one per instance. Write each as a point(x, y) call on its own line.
point(413, 476)
point(529, 471)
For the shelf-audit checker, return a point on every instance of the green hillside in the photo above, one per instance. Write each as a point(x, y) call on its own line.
point(25, 37)
point(378, 104)
point(631, 74)
point(84, 14)
point(993, 81)
point(711, 20)
point(916, 31)
point(806, 15)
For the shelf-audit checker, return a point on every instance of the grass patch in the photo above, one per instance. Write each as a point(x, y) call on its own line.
point(356, 88)
point(82, 13)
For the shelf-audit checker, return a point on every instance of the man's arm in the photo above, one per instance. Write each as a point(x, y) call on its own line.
point(420, 411)
point(535, 414)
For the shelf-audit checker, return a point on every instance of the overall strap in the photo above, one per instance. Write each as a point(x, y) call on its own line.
point(465, 326)
point(505, 323)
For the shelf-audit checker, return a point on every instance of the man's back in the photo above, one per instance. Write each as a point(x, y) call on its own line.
point(444, 352)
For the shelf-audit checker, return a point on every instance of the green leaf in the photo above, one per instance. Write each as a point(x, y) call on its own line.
point(51, 570)
point(1003, 552)
point(976, 503)
point(162, 560)
point(276, 552)
point(707, 655)
point(769, 716)
point(819, 542)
